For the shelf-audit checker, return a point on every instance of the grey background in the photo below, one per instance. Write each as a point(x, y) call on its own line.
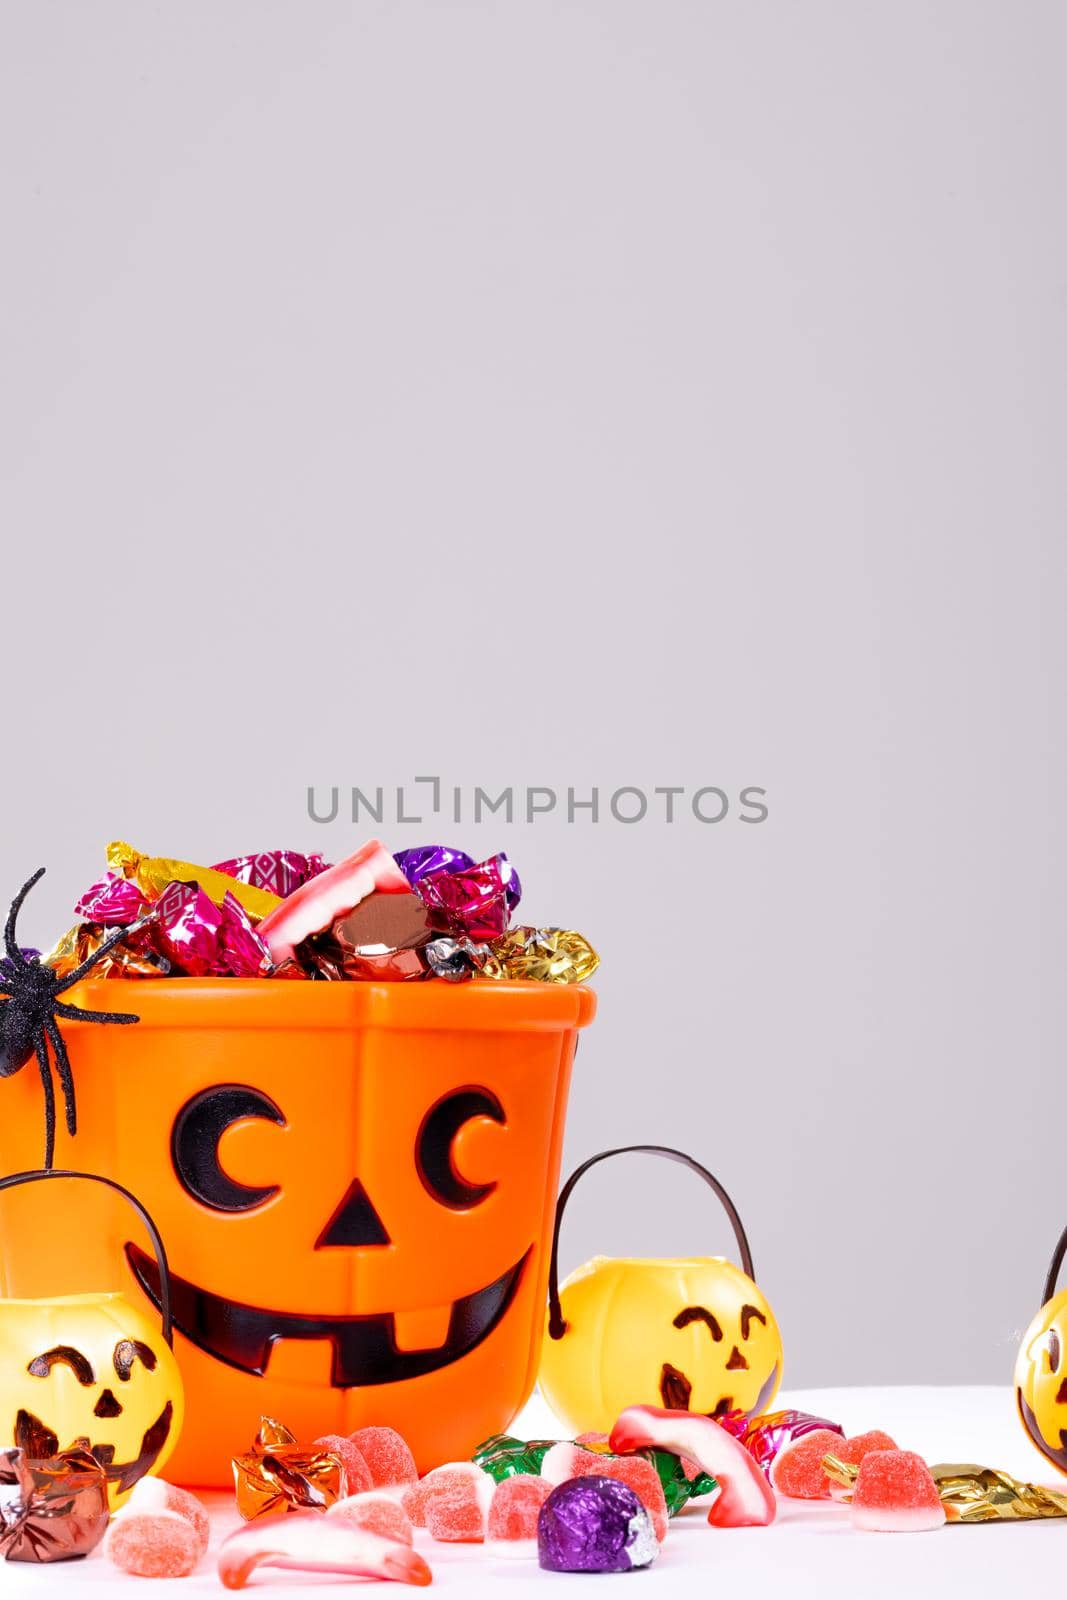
point(600, 393)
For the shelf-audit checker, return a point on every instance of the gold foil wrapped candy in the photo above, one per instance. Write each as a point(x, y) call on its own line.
point(547, 955)
point(982, 1494)
point(152, 874)
point(278, 1475)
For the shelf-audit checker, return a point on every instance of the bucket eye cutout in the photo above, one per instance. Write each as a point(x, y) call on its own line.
point(194, 1145)
point(433, 1146)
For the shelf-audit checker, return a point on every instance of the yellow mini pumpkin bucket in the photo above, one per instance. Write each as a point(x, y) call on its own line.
point(91, 1368)
point(691, 1334)
point(1041, 1369)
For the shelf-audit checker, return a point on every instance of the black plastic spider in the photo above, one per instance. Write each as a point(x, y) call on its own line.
point(28, 1017)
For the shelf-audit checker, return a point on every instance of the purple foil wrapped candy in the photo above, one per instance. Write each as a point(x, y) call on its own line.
point(594, 1525)
point(112, 902)
point(279, 871)
point(204, 940)
point(425, 859)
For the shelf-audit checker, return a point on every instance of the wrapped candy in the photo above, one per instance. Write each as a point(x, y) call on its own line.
point(455, 960)
point(277, 871)
point(594, 1525)
point(382, 937)
point(474, 903)
point(152, 874)
point(546, 955)
point(426, 859)
point(763, 1437)
point(51, 1510)
point(982, 1494)
point(113, 902)
point(203, 939)
point(278, 1476)
point(504, 1456)
point(134, 957)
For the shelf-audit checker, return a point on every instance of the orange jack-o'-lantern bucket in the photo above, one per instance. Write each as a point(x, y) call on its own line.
point(356, 1182)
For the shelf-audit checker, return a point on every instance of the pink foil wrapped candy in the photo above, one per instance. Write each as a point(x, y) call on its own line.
point(112, 902)
point(473, 904)
point(204, 940)
point(279, 871)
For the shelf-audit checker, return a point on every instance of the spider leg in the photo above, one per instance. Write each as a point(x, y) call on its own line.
point(49, 1099)
point(90, 961)
point(76, 1014)
point(66, 1077)
point(10, 945)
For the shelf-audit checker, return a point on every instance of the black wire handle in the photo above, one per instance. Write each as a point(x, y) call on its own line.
point(44, 1173)
point(1054, 1268)
point(557, 1326)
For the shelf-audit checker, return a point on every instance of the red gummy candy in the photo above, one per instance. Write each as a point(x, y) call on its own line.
point(797, 1471)
point(377, 1513)
point(895, 1493)
point(461, 1478)
point(565, 1461)
point(386, 1453)
point(357, 1473)
point(154, 1544)
point(515, 1507)
point(161, 1532)
point(854, 1450)
point(455, 1517)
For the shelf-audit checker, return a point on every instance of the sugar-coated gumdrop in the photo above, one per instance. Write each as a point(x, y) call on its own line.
point(357, 1473)
point(378, 1513)
point(853, 1450)
point(456, 1517)
point(565, 1461)
point(153, 1544)
point(513, 1514)
point(594, 1525)
point(894, 1492)
point(797, 1471)
point(455, 1476)
point(387, 1455)
point(161, 1531)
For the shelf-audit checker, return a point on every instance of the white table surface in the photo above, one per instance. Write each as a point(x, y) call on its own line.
point(809, 1550)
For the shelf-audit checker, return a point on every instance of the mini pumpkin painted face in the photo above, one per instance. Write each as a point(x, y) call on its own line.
point(692, 1335)
point(1041, 1380)
point(92, 1368)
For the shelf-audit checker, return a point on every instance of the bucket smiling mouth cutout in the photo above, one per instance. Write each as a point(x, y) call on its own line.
point(364, 1347)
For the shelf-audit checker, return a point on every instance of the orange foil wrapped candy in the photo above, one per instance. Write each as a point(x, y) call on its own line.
point(547, 955)
point(134, 957)
point(278, 1475)
point(152, 874)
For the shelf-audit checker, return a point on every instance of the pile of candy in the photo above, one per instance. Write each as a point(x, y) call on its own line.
point(351, 1506)
point(421, 913)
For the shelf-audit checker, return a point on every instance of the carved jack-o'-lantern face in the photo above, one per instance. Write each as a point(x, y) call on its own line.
point(365, 1348)
point(355, 1183)
point(1041, 1380)
point(94, 1368)
point(691, 1335)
